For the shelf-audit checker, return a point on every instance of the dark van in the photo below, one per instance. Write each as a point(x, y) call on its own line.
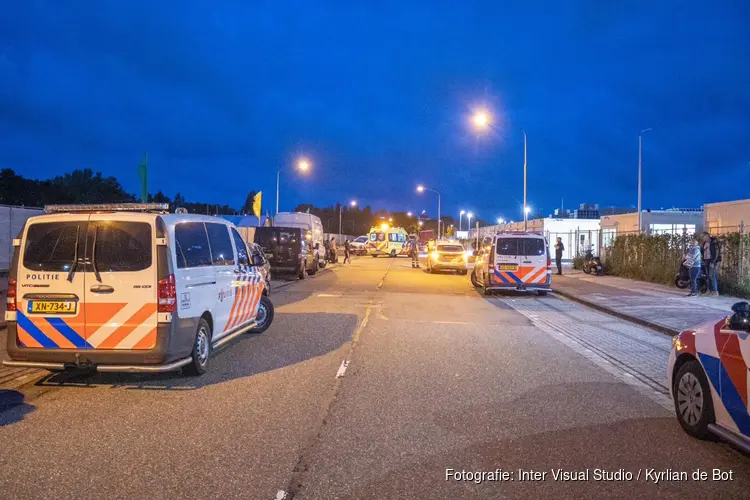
point(288, 249)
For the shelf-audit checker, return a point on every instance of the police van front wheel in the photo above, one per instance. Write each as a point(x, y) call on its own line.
point(201, 350)
point(264, 317)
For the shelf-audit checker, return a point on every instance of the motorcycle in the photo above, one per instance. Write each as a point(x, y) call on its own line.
point(592, 264)
point(682, 280)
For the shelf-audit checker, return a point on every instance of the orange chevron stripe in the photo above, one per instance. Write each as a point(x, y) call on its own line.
point(127, 328)
point(243, 292)
point(233, 310)
point(147, 342)
point(28, 340)
point(537, 275)
point(99, 314)
point(248, 304)
point(253, 312)
point(55, 336)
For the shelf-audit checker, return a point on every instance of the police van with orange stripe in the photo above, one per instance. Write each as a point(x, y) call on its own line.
point(513, 260)
point(129, 288)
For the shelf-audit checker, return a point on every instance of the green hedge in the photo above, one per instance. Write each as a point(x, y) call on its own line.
point(657, 259)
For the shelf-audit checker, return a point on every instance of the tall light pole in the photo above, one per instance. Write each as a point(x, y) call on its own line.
point(460, 216)
point(640, 168)
point(302, 165)
point(468, 224)
point(422, 189)
point(482, 121)
point(352, 203)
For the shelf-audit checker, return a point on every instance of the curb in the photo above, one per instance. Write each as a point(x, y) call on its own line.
point(627, 317)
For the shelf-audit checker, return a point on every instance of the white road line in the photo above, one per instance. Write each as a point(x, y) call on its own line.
point(342, 369)
point(330, 294)
point(280, 495)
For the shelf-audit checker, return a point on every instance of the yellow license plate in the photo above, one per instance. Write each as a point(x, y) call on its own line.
point(509, 267)
point(52, 306)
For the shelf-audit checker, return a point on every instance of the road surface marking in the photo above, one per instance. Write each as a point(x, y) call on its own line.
point(280, 495)
point(380, 285)
point(342, 369)
point(362, 325)
point(330, 294)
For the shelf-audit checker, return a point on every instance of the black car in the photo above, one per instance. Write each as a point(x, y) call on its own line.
point(259, 262)
point(288, 250)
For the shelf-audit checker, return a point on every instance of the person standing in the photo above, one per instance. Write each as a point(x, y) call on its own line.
point(414, 250)
point(346, 252)
point(711, 257)
point(559, 249)
point(334, 257)
point(693, 262)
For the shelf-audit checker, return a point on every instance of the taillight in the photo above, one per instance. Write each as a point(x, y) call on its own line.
point(11, 302)
point(549, 263)
point(167, 294)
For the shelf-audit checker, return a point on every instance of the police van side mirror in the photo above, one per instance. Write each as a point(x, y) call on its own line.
point(257, 260)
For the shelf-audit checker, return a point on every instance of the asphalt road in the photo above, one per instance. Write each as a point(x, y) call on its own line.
point(434, 377)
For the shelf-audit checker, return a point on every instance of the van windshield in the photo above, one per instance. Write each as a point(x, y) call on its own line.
point(521, 246)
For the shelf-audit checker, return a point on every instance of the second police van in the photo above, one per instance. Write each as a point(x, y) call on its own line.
point(129, 288)
point(513, 260)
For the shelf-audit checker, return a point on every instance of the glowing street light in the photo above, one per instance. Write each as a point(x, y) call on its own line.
point(526, 211)
point(303, 165)
point(409, 214)
point(422, 189)
point(481, 119)
point(460, 216)
point(469, 216)
point(501, 220)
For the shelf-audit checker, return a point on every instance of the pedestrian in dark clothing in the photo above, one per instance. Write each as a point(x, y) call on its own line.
point(414, 251)
point(346, 252)
point(711, 257)
point(559, 249)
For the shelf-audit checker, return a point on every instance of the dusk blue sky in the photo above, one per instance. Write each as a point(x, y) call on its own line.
point(378, 95)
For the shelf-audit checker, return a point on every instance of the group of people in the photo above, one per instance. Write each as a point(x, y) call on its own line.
point(703, 250)
point(333, 251)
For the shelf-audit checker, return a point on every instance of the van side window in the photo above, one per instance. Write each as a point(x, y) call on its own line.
point(392, 237)
point(192, 245)
point(241, 248)
point(222, 250)
point(373, 236)
point(401, 237)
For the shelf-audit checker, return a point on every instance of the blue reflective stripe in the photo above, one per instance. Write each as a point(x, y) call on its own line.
point(35, 332)
point(518, 280)
point(501, 277)
point(61, 326)
point(729, 395)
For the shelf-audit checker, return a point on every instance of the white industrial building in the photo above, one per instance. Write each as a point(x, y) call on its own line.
point(727, 216)
point(672, 221)
point(576, 234)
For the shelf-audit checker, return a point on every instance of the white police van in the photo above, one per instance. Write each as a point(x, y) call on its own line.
point(129, 288)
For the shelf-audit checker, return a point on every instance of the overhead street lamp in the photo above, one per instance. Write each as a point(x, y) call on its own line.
point(303, 165)
point(352, 203)
point(640, 167)
point(460, 215)
point(422, 189)
point(500, 220)
point(482, 120)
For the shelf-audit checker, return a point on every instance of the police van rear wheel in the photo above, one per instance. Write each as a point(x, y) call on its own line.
point(201, 350)
point(264, 317)
point(474, 279)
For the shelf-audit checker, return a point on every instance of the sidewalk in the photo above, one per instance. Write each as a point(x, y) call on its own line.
point(661, 307)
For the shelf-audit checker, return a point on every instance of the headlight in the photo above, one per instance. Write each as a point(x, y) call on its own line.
point(434, 255)
point(676, 343)
point(467, 254)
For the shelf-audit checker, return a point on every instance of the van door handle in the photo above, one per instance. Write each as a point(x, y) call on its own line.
point(102, 289)
point(527, 262)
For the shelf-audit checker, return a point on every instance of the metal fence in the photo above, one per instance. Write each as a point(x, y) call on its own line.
point(12, 220)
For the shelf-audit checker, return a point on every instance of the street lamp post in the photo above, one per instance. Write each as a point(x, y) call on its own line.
point(352, 203)
point(482, 120)
point(302, 165)
point(421, 189)
point(640, 167)
point(460, 215)
point(468, 218)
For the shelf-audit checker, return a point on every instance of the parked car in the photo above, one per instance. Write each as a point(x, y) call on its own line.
point(288, 250)
point(447, 255)
point(260, 263)
point(514, 260)
point(310, 223)
point(358, 246)
point(708, 378)
point(129, 288)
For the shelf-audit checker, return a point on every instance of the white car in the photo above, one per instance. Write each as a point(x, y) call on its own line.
point(129, 288)
point(358, 246)
point(709, 379)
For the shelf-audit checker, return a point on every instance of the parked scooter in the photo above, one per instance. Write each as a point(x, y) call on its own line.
point(592, 264)
point(682, 280)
